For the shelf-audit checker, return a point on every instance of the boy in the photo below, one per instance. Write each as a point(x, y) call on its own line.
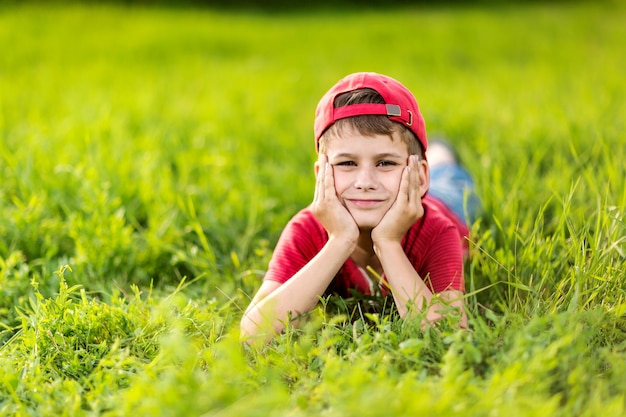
point(370, 210)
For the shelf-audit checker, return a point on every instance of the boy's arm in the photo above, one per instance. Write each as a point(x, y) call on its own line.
point(410, 292)
point(274, 303)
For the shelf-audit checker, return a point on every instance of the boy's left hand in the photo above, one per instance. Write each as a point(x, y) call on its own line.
point(407, 208)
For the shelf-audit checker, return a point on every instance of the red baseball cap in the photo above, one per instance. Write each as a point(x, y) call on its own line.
point(400, 104)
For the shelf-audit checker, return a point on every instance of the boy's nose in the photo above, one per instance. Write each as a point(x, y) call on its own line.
point(365, 179)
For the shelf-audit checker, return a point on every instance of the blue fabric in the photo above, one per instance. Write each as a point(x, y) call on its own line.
point(453, 185)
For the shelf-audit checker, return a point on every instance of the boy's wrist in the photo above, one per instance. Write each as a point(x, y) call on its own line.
point(382, 246)
point(342, 244)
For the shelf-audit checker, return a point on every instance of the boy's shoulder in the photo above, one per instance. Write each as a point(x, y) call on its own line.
point(304, 217)
point(437, 215)
point(305, 223)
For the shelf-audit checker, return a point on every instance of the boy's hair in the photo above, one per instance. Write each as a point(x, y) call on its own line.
point(368, 124)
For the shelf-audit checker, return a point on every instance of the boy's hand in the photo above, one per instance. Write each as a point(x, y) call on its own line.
point(327, 208)
point(407, 208)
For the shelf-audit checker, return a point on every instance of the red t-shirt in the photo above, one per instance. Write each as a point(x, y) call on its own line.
point(434, 245)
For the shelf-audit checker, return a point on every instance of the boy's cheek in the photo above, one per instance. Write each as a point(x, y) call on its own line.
point(340, 180)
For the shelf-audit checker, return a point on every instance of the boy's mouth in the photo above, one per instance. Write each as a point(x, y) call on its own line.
point(363, 203)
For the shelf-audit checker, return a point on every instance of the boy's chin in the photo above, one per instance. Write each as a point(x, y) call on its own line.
point(367, 224)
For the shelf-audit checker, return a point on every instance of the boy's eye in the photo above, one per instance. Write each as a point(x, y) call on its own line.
point(346, 163)
point(387, 163)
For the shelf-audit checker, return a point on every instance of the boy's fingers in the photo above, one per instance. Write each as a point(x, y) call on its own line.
point(318, 182)
point(414, 195)
point(416, 188)
point(405, 182)
point(329, 181)
point(321, 176)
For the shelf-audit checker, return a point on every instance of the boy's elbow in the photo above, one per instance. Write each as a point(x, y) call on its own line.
point(247, 329)
point(254, 330)
point(454, 314)
point(436, 313)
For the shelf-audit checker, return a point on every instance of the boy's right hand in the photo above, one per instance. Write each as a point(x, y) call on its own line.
point(327, 208)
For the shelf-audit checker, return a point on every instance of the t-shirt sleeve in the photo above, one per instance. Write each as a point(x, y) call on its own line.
point(442, 267)
point(299, 242)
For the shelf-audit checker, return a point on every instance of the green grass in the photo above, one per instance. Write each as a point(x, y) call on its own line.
point(149, 158)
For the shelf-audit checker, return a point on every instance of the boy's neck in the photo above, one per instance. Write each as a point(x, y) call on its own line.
point(364, 255)
point(365, 243)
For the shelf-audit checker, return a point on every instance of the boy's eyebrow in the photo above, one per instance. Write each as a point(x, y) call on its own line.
point(377, 156)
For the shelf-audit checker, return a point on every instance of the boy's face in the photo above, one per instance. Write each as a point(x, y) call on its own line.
point(367, 172)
